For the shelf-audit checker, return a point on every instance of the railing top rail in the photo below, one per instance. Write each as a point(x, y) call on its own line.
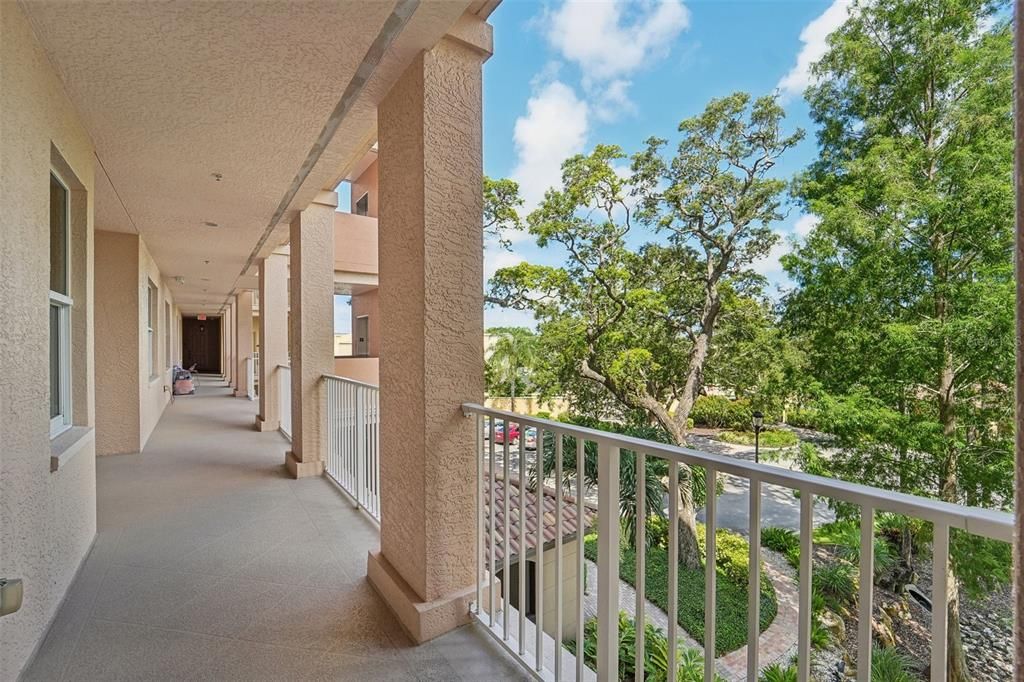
point(351, 381)
point(283, 366)
point(985, 522)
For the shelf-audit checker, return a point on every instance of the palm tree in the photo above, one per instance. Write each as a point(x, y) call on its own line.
point(512, 360)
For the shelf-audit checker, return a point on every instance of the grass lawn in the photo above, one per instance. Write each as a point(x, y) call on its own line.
point(779, 438)
point(730, 604)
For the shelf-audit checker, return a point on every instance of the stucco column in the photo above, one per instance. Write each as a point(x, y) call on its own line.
point(273, 338)
point(311, 243)
point(431, 320)
point(243, 340)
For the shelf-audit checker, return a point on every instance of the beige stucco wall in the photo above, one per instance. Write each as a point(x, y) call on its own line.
point(366, 370)
point(47, 520)
point(117, 276)
point(355, 243)
point(368, 304)
point(366, 183)
point(129, 400)
point(569, 581)
point(154, 391)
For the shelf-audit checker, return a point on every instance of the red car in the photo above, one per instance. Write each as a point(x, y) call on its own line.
point(499, 434)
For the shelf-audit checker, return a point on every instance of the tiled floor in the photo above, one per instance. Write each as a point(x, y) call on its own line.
point(211, 564)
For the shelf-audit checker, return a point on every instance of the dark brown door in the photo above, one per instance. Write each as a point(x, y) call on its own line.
point(200, 344)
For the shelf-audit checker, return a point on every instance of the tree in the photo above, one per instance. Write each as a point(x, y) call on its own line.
point(637, 323)
point(501, 208)
point(905, 288)
point(513, 357)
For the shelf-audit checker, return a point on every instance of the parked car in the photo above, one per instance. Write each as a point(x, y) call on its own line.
point(531, 438)
point(499, 434)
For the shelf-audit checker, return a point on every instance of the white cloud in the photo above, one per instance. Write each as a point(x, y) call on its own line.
point(553, 129)
point(769, 265)
point(608, 41)
point(595, 36)
point(805, 224)
point(496, 258)
point(814, 36)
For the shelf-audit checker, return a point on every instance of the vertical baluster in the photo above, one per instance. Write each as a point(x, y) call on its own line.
point(866, 597)
point(360, 445)
point(523, 542)
point(559, 531)
point(492, 504)
point(710, 574)
point(803, 664)
point(940, 601)
point(673, 570)
point(640, 542)
point(608, 562)
point(506, 571)
point(754, 585)
point(540, 549)
point(479, 455)
point(581, 512)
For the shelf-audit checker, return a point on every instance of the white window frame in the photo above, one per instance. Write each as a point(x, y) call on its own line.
point(63, 302)
point(152, 301)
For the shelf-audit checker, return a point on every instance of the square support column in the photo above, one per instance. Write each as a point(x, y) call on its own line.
point(243, 341)
point(311, 244)
point(431, 307)
point(273, 338)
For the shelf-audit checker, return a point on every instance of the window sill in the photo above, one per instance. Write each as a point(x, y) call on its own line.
point(68, 444)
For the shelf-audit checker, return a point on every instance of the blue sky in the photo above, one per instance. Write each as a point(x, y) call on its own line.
point(568, 74)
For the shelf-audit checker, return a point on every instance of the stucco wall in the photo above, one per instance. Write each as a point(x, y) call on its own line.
point(117, 382)
point(368, 304)
point(355, 243)
point(366, 183)
point(154, 392)
point(47, 520)
point(366, 370)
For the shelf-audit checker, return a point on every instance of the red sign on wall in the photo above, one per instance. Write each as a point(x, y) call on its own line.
point(202, 317)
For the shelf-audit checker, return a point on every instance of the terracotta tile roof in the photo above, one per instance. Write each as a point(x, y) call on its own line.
point(570, 517)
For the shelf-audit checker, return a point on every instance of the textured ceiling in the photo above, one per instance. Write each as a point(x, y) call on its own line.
point(173, 93)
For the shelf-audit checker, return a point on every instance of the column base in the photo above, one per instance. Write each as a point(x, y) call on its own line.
point(422, 621)
point(261, 425)
point(302, 469)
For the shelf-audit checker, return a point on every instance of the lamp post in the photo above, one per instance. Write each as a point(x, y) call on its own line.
point(757, 421)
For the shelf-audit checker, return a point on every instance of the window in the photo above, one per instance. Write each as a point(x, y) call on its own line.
point(363, 204)
point(60, 307)
point(154, 352)
point(167, 335)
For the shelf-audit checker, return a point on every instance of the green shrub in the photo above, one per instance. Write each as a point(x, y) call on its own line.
point(779, 673)
point(889, 665)
point(772, 438)
point(719, 412)
point(690, 662)
point(837, 583)
point(821, 638)
point(731, 594)
point(845, 536)
point(781, 540)
point(804, 419)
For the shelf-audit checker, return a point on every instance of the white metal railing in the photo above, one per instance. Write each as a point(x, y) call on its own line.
point(250, 378)
point(255, 374)
point(284, 399)
point(496, 610)
point(353, 440)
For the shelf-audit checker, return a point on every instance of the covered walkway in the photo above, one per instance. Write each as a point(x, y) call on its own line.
point(211, 563)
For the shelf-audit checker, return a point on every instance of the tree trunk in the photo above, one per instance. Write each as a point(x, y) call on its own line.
point(956, 659)
point(689, 551)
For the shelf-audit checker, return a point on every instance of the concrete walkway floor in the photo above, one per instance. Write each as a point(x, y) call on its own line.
point(211, 564)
